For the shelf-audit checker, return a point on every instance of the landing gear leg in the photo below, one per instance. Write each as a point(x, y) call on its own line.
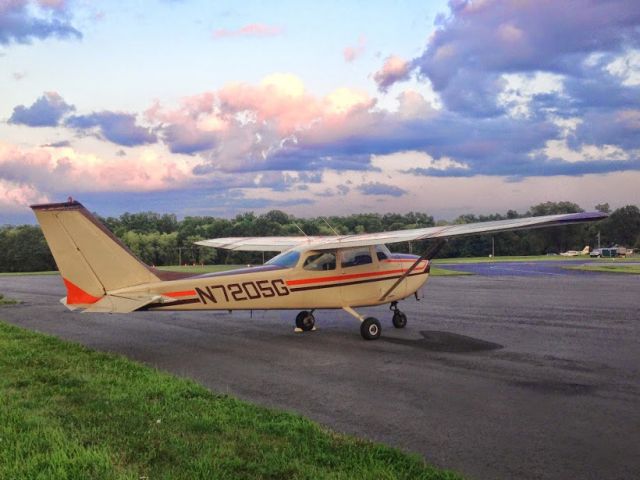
point(305, 321)
point(399, 318)
point(370, 327)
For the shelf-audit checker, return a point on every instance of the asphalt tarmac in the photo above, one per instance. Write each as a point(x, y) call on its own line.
point(498, 377)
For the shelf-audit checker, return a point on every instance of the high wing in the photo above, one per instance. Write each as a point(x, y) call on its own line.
point(280, 244)
point(262, 244)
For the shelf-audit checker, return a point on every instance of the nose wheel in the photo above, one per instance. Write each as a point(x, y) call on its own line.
point(305, 321)
point(399, 318)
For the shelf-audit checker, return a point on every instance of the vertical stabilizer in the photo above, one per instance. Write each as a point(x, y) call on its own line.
point(91, 260)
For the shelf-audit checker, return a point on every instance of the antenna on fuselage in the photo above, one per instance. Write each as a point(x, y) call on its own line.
point(298, 227)
point(329, 225)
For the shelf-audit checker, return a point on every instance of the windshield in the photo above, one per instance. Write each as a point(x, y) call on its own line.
point(286, 259)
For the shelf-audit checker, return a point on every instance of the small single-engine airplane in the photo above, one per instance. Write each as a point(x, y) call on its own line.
point(575, 253)
point(331, 272)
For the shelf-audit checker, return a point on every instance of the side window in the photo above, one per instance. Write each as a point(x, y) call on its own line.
point(382, 252)
point(353, 257)
point(320, 261)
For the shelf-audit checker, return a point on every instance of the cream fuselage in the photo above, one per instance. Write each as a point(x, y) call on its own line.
point(276, 287)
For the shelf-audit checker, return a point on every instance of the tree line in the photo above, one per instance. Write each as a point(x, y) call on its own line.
point(162, 239)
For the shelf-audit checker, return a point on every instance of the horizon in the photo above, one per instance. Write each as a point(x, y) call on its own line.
point(196, 109)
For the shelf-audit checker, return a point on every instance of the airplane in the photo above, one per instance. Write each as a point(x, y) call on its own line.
point(575, 253)
point(324, 272)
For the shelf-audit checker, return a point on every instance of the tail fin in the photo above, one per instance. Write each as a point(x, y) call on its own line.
point(91, 260)
point(585, 250)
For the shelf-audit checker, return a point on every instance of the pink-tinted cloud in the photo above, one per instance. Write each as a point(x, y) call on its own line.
point(395, 69)
point(241, 126)
point(249, 30)
point(14, 195)
point(64, 170)
point(351, 53)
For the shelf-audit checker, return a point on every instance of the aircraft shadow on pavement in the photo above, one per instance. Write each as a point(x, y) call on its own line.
point(435, 341)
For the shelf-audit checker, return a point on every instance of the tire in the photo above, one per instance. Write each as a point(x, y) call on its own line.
point(399, 319)
point(305, 321)
point(370, 329)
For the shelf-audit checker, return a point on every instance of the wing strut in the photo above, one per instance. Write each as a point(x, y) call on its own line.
point(429, 254)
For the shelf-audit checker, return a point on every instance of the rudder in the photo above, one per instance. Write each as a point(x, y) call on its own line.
point(91, 260)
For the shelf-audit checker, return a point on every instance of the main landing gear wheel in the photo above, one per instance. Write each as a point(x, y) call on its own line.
point(305, 321)
point(399, 319)
point(370, 329)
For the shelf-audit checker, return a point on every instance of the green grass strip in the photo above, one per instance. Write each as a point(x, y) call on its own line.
point(7, 301)
point(19, 274)
point(443, 272)
point(629, 269)
point(68, 412)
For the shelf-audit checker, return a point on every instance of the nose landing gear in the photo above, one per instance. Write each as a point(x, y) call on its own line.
point(399, 318)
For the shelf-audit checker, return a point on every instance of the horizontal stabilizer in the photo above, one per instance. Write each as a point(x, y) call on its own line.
point(118, 303)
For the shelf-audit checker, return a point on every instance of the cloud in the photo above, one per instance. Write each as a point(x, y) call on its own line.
point(46, 111)
point(377, 188)
point(242, 127)
point(14, 195)
point(351, 53)
point(22, 21)
point(63, 170)
point(119, 128)
point(394, 69)
point(249, 30)
point(60, 144)
point(479, 41)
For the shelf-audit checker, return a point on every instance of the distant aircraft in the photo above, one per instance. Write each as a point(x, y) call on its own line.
point(333, 272)
point(575, 253)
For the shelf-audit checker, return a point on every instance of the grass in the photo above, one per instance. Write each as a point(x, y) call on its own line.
point(68, 412)
point(530, 258)
point(7, 301)
point(15, 274)
point(443, 272)
point(619, 268)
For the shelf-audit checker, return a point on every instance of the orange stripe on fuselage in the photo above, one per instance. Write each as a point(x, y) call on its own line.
point(304, 281)
point(185, 293)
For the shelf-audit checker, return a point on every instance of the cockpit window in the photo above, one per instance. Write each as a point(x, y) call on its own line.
point(286, 259)
point(321, 261)
point(353, 257)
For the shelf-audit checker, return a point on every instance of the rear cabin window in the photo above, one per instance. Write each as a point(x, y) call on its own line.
point(382, 252)
point(318, 262)
point(353, 257)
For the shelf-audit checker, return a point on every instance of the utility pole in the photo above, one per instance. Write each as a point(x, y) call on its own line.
point(493, 247)
point(179, 255)
point(598, 239)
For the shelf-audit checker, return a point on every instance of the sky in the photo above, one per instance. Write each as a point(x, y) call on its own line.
point(318, 108)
